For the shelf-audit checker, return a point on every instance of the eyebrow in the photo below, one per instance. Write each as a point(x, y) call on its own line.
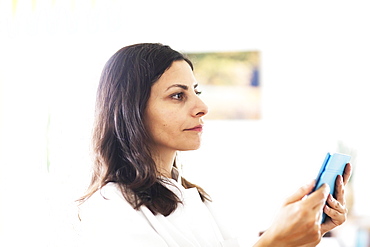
point(185, 87)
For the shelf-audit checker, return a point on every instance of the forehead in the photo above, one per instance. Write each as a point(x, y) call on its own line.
point(178, 72)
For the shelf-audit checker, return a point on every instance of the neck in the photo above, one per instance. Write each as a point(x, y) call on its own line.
point(164, 162)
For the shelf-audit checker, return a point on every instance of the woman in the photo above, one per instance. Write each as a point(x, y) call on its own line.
point(147, 109)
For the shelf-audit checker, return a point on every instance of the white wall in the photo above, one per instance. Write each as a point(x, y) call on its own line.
point(314, 77)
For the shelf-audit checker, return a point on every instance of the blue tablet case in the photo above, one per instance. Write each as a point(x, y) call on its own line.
point(332, 166)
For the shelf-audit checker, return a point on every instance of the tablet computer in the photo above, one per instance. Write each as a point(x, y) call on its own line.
point(333, 165)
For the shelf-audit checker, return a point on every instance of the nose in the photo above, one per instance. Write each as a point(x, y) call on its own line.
point(200, 109)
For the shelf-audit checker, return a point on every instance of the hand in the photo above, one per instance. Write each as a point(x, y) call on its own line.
point(336, 208)
point(298, 221)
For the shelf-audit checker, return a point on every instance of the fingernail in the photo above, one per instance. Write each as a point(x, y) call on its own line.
point(331, 198)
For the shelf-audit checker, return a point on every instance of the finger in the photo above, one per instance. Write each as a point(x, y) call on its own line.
point(347, 173)
point(336, 205)
point(300, 193)
point(336, 217)
point(318, 197)
point(339, 190)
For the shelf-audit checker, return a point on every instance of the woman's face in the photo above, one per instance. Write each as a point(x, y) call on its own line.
point(174, 112)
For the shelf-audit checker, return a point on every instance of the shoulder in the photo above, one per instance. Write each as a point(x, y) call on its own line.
point(107, 200)
point(106, 218)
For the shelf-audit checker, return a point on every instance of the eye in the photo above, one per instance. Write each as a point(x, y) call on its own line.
point(178, 96)
point(198, 92)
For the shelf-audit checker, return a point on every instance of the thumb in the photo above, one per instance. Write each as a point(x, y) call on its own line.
point(300, 193)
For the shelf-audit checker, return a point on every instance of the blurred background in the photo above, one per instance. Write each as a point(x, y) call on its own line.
point(314, 59)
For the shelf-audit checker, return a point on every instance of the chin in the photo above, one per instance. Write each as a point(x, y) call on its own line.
point(190, 148)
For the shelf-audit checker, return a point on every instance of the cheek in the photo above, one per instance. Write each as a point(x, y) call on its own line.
point(164, 123)
point(169, 119)
point(169, 128)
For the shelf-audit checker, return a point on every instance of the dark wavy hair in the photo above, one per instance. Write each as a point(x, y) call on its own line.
point(120, 139)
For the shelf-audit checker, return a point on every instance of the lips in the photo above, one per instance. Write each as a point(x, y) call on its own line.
point(197, 128)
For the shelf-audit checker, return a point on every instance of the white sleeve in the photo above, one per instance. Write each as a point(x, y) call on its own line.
point(229, 239)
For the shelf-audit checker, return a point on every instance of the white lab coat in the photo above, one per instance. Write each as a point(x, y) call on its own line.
point(107, 219)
